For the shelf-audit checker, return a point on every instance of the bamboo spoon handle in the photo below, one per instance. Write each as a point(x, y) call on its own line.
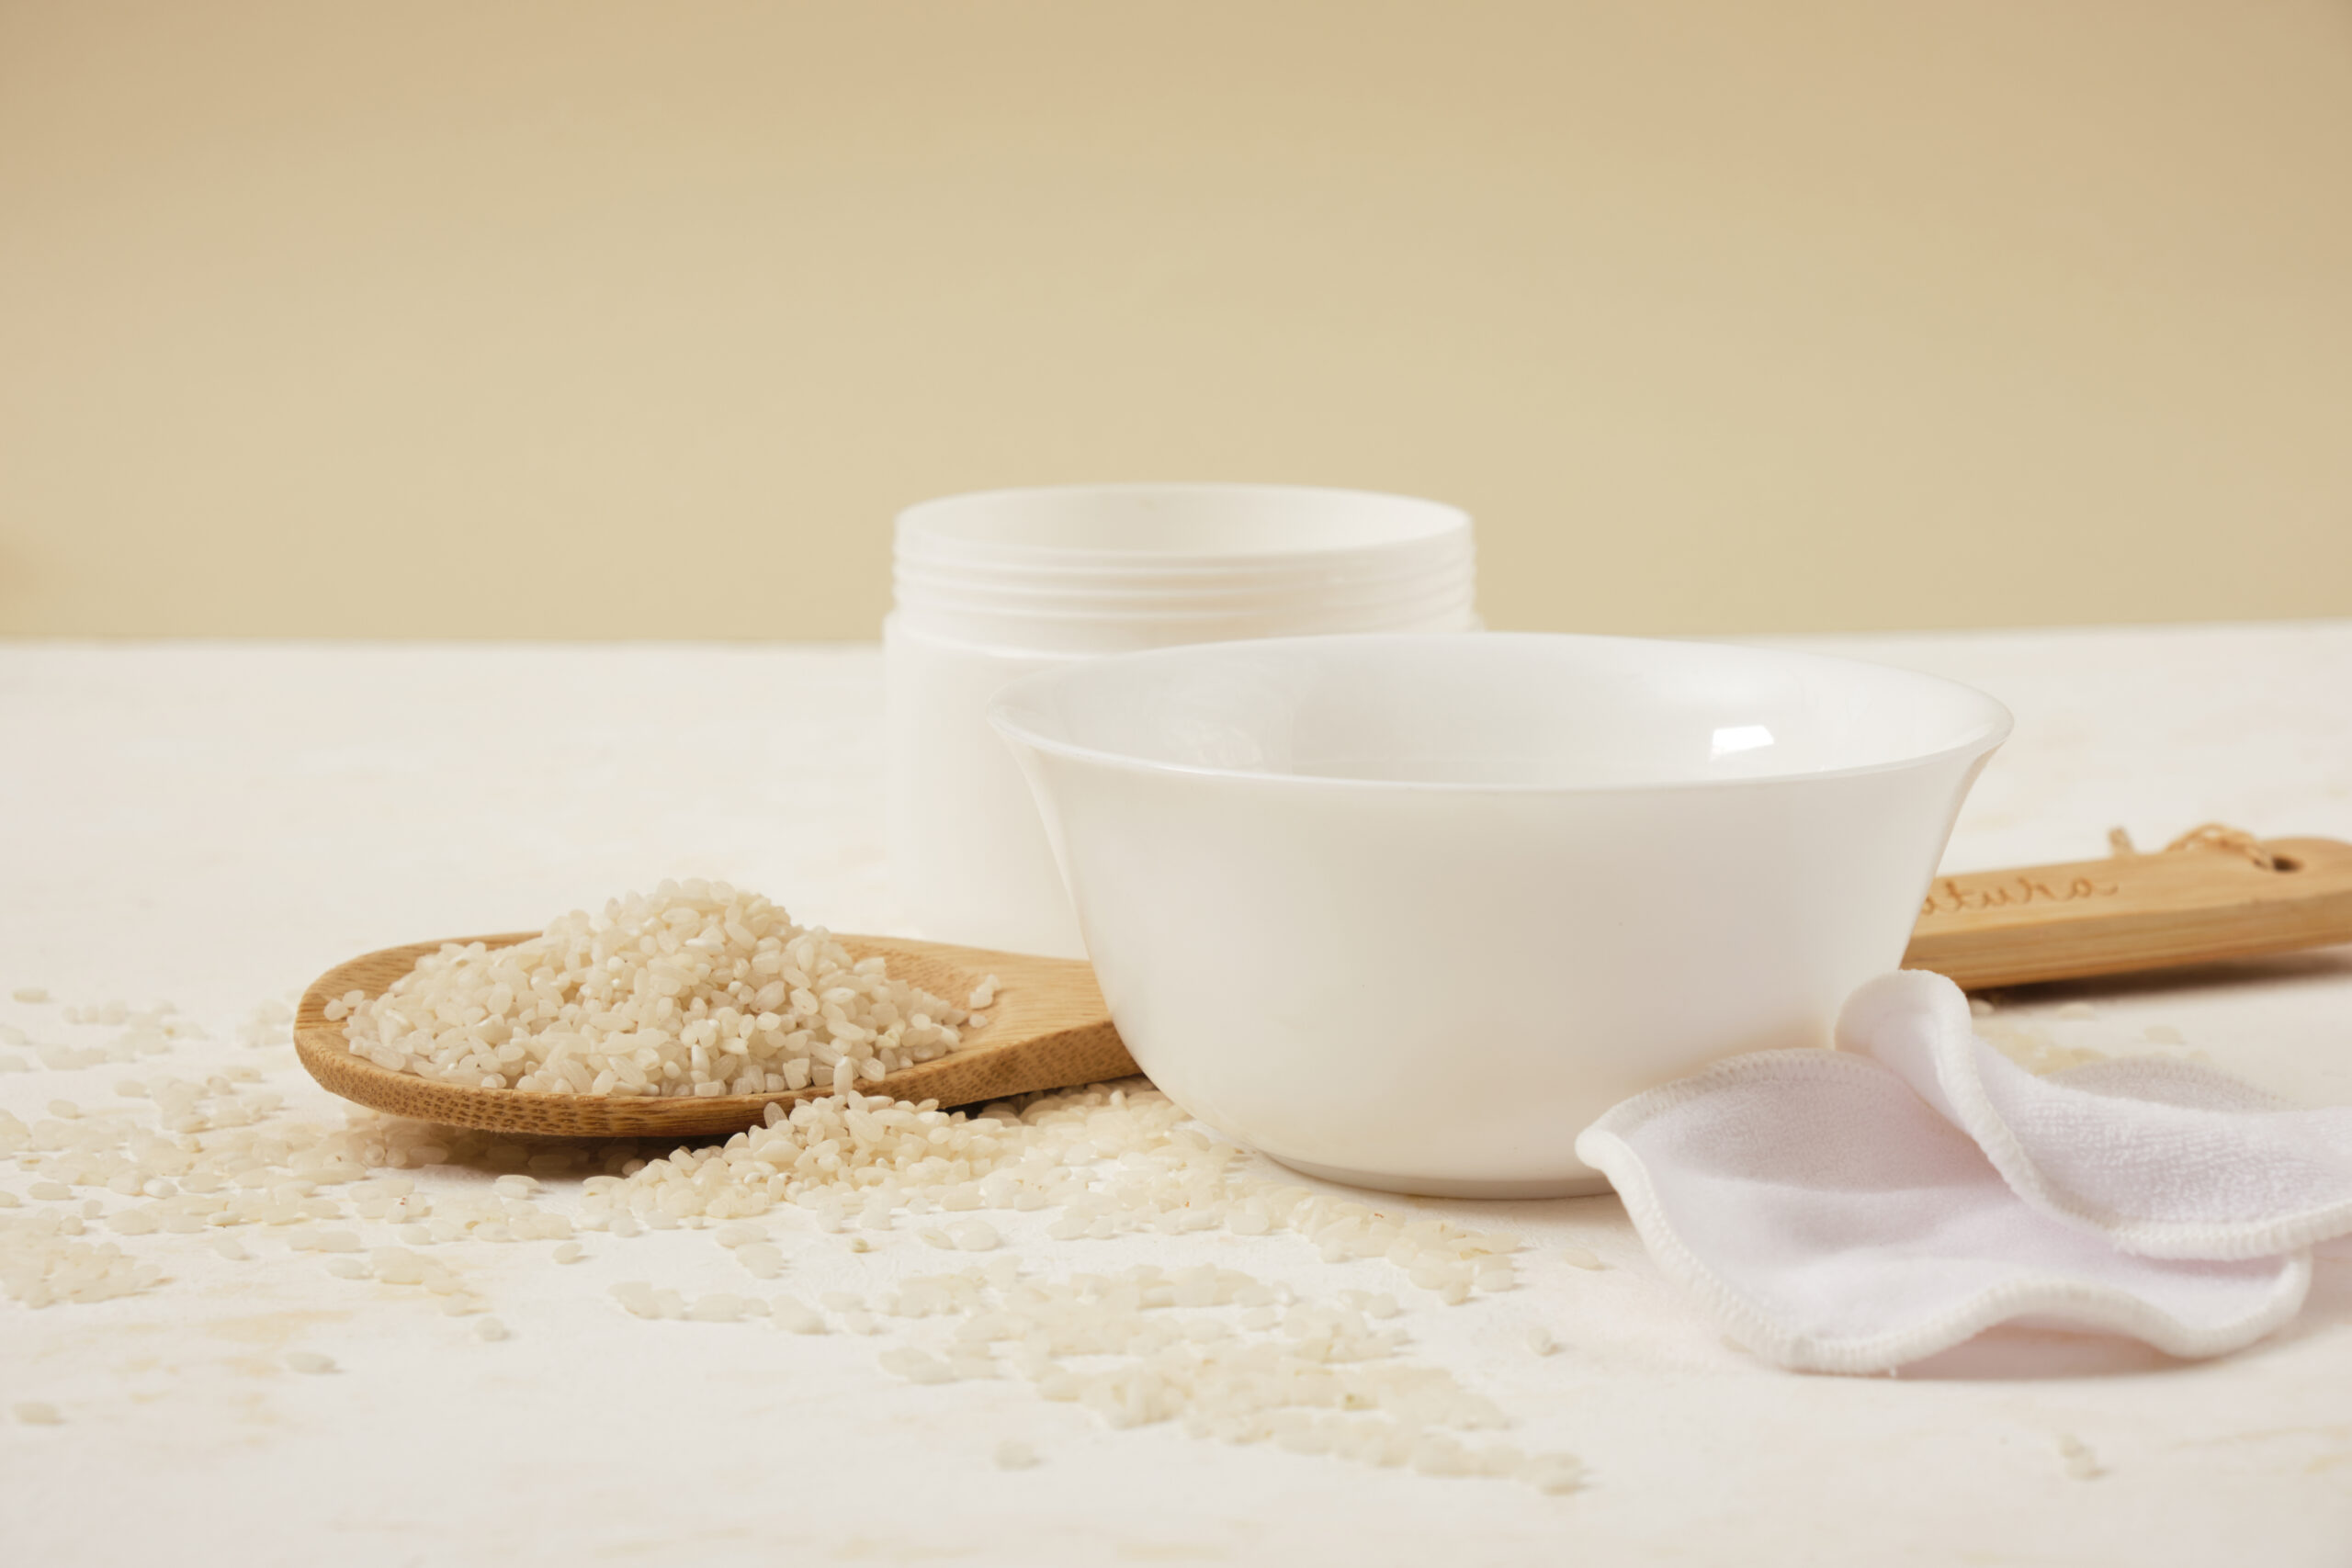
point(2218, 895)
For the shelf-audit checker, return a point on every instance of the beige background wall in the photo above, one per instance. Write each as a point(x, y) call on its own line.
point(542, 318)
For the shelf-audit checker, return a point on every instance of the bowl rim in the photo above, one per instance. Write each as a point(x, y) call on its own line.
point(1981, 740)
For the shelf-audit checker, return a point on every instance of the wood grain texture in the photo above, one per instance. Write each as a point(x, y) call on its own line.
point(1048, 1029)
point(2131, 912)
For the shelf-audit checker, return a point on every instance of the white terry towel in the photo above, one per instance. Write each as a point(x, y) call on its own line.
point(1851, 1210)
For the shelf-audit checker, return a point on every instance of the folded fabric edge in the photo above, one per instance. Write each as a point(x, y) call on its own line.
point(1954, 1045)
point(1603, 1147)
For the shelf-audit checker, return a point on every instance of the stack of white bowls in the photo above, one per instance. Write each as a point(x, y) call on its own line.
point(991, 587)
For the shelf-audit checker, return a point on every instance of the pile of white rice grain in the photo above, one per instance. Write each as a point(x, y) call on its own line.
point(698, 989)
point(1113, 1159)
point(182, 1177)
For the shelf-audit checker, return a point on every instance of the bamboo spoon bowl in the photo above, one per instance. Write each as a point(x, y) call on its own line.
point(1048, 1029)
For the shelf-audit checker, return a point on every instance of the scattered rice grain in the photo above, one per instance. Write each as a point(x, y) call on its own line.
point(2080, 1463)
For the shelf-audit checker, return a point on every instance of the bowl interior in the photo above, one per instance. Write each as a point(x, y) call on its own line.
point(1493, 710)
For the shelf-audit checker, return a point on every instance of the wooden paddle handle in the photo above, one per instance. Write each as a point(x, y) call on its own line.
point(2133, 911)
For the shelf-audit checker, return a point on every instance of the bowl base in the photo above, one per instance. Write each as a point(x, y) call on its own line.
point(1587, 1186)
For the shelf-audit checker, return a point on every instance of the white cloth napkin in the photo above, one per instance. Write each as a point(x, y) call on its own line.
point(1850, 1211)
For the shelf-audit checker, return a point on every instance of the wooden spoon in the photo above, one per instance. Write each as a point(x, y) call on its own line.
point(2216, 895)
point(1048, 1029)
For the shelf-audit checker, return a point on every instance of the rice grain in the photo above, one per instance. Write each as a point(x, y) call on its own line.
point(698, 989)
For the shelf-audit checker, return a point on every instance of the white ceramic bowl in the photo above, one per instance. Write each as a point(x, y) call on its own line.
point(1409, 911)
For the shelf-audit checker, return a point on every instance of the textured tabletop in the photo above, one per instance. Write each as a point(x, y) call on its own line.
point(212, 825)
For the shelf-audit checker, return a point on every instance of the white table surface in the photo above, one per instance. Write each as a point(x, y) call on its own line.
point(216, 824)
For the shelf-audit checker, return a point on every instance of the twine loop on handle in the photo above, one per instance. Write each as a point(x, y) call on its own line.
point(2209, 836)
